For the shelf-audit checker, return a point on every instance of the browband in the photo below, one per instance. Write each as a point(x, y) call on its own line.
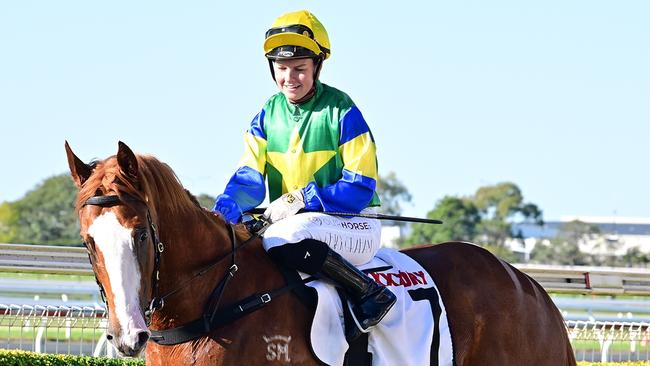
point(104, 201)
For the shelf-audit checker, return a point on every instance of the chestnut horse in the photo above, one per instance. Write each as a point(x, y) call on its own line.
point(129, 203)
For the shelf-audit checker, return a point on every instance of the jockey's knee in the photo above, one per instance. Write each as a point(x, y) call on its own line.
point(355, 245)
point(289, 230)
point(307, 255)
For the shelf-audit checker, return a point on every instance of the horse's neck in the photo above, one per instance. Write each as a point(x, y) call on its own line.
point(190, 246)
point(256, 274)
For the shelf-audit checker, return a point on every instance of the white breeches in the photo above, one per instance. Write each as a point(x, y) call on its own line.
point(357, 239)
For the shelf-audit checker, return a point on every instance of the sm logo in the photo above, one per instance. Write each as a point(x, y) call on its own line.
point(277, 348)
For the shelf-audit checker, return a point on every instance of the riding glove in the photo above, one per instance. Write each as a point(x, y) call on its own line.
point(286, 205)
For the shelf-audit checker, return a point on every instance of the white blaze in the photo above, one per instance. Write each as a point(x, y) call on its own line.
point(116, 244)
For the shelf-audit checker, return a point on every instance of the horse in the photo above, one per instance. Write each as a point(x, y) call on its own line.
point(146, 236)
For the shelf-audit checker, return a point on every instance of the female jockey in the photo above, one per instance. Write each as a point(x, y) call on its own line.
point(312, 144)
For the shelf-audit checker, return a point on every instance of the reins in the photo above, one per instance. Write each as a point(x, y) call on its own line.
point(233, 268)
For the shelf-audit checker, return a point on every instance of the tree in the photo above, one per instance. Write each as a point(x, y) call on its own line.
point(205, 200)
point(460, 217)
point(486, 218)
point(558, 252)
point(633, 257)
point(564, 248)
point(46, 215)
point(8, 223)
point(392, 193)
point(577, 231)
point(500, 205)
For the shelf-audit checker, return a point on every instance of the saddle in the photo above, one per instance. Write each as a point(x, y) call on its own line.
point(414, 332)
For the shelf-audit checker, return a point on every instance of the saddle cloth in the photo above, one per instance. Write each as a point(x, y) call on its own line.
point(405, 335)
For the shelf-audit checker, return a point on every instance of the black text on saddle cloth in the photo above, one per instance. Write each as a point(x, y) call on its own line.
point(406, 279)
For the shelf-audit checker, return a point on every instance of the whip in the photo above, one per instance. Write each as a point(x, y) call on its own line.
point(259, 211)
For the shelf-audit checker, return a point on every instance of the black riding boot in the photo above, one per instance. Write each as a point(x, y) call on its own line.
point(371, 300)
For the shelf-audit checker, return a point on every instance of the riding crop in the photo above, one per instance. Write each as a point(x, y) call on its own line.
point(259, 211)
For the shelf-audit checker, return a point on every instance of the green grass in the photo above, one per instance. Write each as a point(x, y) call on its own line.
point(56, 333)
point(46, 276)
point(618, 345)
point(22, 358)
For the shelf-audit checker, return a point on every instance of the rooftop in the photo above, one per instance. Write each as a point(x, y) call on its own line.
point(608, 220)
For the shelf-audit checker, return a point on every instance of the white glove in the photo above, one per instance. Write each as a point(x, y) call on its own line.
point(287, 205)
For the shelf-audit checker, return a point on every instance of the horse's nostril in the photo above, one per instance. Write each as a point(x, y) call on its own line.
point(143, 337)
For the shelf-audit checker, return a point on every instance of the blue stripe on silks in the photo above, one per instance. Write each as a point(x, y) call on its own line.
point(228, 208)
point(359, 179)
point(352, 125)
point(351, 193)
point(257, 125)
point(246, 187)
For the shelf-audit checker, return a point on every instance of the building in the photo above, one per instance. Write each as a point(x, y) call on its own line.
point(619, 234)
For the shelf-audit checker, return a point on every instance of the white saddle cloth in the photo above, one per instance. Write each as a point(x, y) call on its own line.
point(404, 336)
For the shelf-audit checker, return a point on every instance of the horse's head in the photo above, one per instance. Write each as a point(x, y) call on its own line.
point(118, 231)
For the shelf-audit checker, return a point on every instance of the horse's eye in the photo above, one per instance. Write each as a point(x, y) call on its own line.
point(143, 236)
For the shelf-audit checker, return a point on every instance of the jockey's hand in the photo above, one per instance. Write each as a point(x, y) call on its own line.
point(287, 205)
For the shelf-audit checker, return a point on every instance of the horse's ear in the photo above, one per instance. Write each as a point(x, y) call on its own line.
point(79, 170)
point(127, 161)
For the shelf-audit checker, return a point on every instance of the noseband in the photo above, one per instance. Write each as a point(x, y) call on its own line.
point(157, 302)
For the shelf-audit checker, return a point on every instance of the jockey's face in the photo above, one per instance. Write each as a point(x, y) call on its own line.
point(294, 78)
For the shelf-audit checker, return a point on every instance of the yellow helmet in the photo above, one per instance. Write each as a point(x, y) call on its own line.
point(297, 35)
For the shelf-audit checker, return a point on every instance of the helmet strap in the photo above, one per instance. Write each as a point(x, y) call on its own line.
point(271, 67)
point(318, 65)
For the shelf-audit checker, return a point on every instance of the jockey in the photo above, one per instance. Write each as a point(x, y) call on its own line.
point(313, 145)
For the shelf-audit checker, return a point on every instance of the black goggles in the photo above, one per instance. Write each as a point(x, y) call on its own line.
point(296, 28)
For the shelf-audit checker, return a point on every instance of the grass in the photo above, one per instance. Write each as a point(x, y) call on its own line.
point(46, 276)
point(22, 358)
point(618, 345)
point(90, 332)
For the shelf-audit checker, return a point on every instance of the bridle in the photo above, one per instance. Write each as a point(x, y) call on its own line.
point(158, 302)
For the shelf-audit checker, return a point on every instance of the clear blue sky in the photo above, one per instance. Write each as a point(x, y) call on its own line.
point(552, 95)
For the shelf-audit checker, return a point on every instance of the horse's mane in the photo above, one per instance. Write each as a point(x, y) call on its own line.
point(157, 181)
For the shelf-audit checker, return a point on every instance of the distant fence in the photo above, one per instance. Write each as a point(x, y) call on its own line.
point(590, 280)
point(599, 341)
point(560, 279)
point(25, 258)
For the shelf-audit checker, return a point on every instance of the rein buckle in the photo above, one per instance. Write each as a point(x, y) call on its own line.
point(157, 303)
